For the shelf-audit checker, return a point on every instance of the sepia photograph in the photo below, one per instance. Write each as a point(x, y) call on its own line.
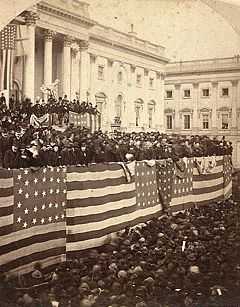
point(120, 153)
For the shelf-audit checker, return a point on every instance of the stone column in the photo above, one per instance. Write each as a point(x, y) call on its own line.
point(214, 106)
point(93, 58)
point(29, 70)
point(67, 66)
point(84, 70)
point(234, 103)
point(177, 123)
point(75, 60)
point(48, 37)
point(195, 124)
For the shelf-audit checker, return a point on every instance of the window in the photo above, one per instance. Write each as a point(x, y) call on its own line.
point(139, 80)
point(118, 106)
point(100, 72)
point(151, 82)
point(225, 121)
point(150, 117)
point(205, 92)
point(169, 122)
point(187, 122)
point(205, 121)
point(187, 94)
point(169, 94)
point(225, 91)
point(120, 77)
point(137, 110)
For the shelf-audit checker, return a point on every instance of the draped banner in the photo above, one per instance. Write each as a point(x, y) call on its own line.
point(97, 201)
point(37, 122)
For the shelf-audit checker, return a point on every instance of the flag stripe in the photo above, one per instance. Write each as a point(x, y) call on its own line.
point(6, 201)
point(75, 194)
point(5, 183)
point(100, 184)
point(93, 218)
point(16, 245)
point(94, 201)
point(47, 262)
point(217, 169)
point(94, 227)
point(88, 210)
point(76, 234)
point(31, 258)
point(5, 192)
point(206, 190)
point(208, 183)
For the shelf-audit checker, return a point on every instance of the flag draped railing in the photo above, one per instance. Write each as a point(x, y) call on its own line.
point(51, 213)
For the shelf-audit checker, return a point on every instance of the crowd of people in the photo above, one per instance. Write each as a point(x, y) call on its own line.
point(27, 146)
point(190, 259)
point(22, 145)
point(19, 112)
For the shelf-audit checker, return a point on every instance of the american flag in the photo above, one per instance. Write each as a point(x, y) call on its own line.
point(182, 186)
point(208, 186)
point(8, 41)
point(146, 187)
point(227, 176)
point(33, 218)
point(79, 120)
point(165, 171)
point(100, 202)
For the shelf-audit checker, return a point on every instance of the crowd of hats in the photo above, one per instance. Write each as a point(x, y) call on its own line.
point(19, 112)
point(187, 259)
point(26, 146)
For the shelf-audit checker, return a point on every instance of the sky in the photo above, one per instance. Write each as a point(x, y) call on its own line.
point(189, 29)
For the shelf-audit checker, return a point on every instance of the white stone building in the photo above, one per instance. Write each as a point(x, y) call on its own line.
point(203, 97)
point(122, 74)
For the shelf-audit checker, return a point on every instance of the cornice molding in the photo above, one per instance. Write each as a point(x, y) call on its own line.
point(68, 16)
point(128, 48)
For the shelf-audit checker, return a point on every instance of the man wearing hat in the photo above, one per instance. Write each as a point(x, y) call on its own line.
point(5, 144)
point(11, 156)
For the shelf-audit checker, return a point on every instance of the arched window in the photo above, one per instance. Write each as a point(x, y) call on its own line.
point(138, 112)
point(151, 110)
point(118, 106)
point(100, 99)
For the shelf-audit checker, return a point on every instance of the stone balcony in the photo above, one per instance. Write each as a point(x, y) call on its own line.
point(109, 34)
point(209, 65)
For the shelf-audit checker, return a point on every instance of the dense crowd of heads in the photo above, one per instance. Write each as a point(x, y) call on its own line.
point(26, 146)
point(188, 259)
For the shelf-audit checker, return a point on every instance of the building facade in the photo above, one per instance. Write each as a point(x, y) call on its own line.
point(122, 74)
point(203, 97)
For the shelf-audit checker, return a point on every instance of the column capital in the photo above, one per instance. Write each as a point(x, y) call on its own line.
point(146, 71)
point(83, 45)
point(68, 40)
point(48, 34)
point(177, 86)
point(133, 68)
point(30, 17)
point(234, 82)
point(93, 57)
point(110, 62)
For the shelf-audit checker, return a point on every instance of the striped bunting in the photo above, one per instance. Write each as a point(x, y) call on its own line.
point(209, 186)
point(227, 176)
point(182, 196)
point(99, 203)
point(32, 230)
